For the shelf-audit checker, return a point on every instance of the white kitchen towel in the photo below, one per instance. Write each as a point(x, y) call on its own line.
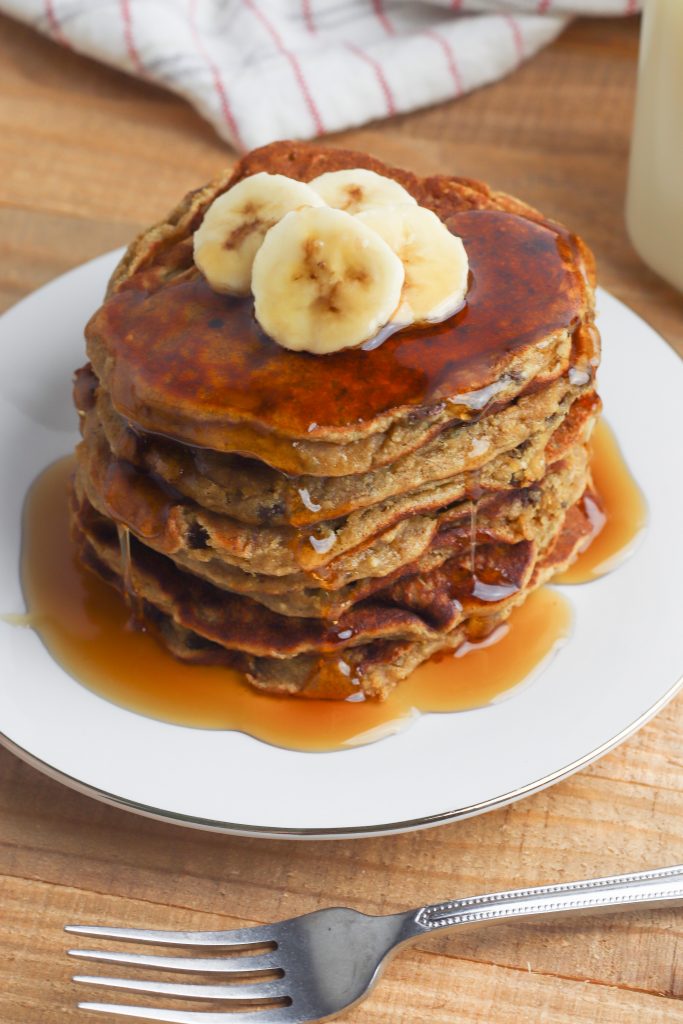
point(260, 70)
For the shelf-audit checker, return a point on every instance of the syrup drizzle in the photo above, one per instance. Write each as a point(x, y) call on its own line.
point(86, 627)
point(126, 563)
point(482, 589)
point(136, 618)
point(473, 539)
point(620, 525)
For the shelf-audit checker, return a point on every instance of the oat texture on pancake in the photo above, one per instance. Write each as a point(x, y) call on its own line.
point(320, 515)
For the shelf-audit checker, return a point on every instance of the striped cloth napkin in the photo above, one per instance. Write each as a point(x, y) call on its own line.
point(260, 70)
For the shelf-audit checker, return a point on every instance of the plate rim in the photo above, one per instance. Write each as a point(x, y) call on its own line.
point(347, 831)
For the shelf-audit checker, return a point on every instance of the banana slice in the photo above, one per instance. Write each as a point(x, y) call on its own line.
point(324, 281)
point(235, 224)
point(359, 189)
point(434, 260)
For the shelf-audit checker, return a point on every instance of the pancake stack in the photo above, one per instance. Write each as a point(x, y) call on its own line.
point(325, 524)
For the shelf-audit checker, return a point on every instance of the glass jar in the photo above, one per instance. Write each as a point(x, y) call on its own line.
point(654, 202)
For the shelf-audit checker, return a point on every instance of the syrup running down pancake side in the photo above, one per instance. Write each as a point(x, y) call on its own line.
point(618, 521)
point(86, 627)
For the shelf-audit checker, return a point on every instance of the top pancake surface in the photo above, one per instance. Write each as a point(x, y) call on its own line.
point(173, 353)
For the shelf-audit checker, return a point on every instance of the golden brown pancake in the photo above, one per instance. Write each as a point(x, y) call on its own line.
point(182, 360)
point(251, 492)
point(269, 565)
point(380, 641)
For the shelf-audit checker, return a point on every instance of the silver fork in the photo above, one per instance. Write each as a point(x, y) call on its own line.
point(313, 967)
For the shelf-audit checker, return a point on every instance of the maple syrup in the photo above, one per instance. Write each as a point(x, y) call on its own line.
point(619, 524)
point(86, 627)
point(182, 357)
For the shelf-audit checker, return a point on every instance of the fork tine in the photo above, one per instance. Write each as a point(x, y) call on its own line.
point(278, 1015)
point(240, 938)
point(234, 994)
point(234, 966)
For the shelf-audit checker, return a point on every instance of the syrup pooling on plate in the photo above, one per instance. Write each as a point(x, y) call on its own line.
point(620, 523)
point(85, 626)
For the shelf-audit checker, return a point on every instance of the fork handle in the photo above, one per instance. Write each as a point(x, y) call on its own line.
point(660, 888)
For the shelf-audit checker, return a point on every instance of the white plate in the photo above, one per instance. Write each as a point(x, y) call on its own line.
point(620, 666)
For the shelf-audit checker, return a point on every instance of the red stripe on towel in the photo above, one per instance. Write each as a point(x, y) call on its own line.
point(55, 28)
point(382, 18)
point(379, 74)
point(516, 35)
point(308, 15)
point(294, 63)
point(129, 37)
point(450, 58)
point(223, 100)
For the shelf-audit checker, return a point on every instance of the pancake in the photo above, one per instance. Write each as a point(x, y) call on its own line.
point(184, 361)
point(326, 523)
point(151, 509)
point(409, 621)
point(252, 493)
point(229, 555)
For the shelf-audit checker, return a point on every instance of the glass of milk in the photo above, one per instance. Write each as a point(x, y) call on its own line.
point(654, 202)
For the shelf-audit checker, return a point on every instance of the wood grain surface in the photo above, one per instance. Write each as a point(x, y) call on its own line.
point(88, 157)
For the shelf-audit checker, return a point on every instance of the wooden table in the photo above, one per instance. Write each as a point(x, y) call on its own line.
point(88, 156)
